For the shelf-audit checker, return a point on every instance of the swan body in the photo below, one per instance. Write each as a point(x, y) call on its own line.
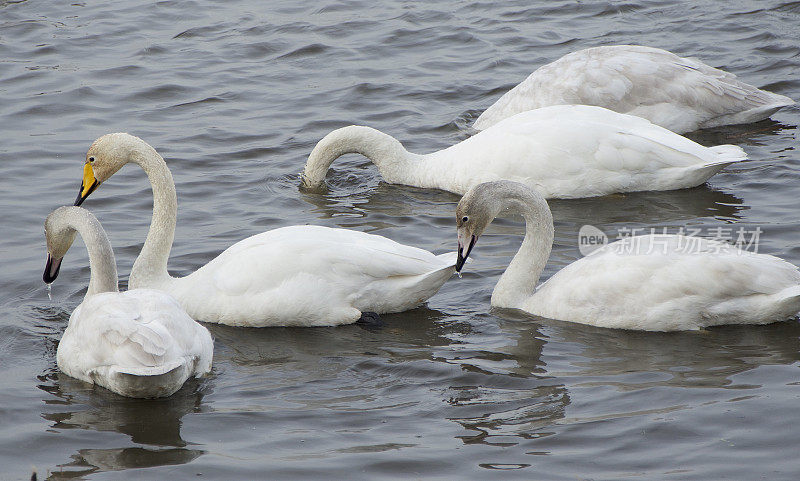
point(680, 94)
point(309, 276)
point(291, 276)
point(653, 282)
point(139, 343)
point(563, 151)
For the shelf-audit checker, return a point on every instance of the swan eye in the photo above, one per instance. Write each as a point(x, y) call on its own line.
point(465, 219)
point(91, 159)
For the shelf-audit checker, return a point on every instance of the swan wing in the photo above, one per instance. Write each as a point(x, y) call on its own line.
point(581, 151)
point(678, 93)
point(264, 261)
point(582, 130)
point(307, 275)
point(140, 332)
point(669, 282)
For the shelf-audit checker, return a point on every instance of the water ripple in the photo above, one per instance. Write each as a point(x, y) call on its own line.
point(235, 96)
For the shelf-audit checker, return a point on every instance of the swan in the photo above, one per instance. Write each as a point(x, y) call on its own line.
point(301, 275)
point(563, 151)
point(138, 343)
point(652, 282)
point(680, 94)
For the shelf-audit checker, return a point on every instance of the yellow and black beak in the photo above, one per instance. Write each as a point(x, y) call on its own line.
point(51, 269)
point(88, 184)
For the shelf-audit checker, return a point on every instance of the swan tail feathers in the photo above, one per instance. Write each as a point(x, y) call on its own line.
point(775, 101)
point(790, 296)
point(150, 371)
point(147, 381)
point(765, 107)
point(727, 154)
point(787, 303)
point(449, 258)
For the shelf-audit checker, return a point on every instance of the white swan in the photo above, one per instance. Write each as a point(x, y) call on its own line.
point(138, 343)
point(292, 276)
point(563, 151)
point(680, 94)
point(654, 283)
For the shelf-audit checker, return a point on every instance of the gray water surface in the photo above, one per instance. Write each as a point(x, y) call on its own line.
point(235, 95)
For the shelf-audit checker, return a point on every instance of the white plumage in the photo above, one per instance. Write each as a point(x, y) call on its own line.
point(138, 343)
point(654, 283)
point(680, 94)
point(668, 283)
point(292, 276)
point(308, 276)
point(563, 151)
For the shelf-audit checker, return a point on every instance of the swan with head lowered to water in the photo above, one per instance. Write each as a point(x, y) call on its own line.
point(563, 151)
point(680, 94)
point(139, 343)
point(652, 282)
point(302, 275)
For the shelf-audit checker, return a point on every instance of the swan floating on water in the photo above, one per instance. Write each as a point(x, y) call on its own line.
point(680, 94)
point(292, 276)
point(139, 343)
point(563, 151)
point(652, 282)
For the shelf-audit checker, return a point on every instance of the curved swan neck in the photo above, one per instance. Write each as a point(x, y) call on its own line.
point(64, 222)
point(519, 280)
point(151, 265)
point(386, 152)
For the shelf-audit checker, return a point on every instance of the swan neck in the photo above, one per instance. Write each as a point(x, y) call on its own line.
point(151, 265)
point(102, 265)
point(386, 152)
point(519, 280)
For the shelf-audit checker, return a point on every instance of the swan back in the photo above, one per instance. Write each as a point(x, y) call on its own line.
point(569, 151)
point(138, 343)
point(670, 282)
point(681, 94)
point(310, 275)
point(610, 137)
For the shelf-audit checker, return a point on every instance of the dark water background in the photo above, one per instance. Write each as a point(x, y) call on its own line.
point(234, 95)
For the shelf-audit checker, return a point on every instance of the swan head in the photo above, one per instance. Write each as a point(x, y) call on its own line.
point(105, 157)
point(60, 236)
point(474, 212)
point(482, 203)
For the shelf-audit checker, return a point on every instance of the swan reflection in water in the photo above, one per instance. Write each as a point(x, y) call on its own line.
point(386, 203)
point(504, 395)
point(520, 385)
point(154, 425)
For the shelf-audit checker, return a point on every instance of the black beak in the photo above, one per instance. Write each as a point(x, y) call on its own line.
point(462, 256)
point(79, 200)
point(51, 269)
